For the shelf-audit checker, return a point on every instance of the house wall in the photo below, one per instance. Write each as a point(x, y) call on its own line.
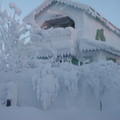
point(90, 27)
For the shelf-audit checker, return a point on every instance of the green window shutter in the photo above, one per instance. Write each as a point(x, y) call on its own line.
point(100, 35)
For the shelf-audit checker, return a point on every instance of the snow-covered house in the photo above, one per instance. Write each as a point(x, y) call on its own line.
point(78, 30)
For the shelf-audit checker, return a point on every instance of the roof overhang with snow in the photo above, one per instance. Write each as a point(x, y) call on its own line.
point(90, 45)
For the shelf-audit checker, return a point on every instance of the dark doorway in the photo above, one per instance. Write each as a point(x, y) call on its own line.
point(58, 22)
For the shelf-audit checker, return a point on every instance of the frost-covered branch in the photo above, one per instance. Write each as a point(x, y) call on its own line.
point(11, 32)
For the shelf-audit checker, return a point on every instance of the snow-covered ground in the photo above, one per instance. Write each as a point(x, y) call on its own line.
point(29, 113)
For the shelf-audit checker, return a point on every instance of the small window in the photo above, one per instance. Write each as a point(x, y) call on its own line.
point(100, 35)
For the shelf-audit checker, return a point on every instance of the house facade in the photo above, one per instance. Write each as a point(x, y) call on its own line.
point(90, 36)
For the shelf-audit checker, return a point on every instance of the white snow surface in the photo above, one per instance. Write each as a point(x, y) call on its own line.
point(30, 113)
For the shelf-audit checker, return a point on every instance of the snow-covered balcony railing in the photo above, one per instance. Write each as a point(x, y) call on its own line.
point(62, 41)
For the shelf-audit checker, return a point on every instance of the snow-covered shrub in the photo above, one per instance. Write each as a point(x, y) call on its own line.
point(70, 78)
point(46, 85)
point(96, 85)
point(101, 81)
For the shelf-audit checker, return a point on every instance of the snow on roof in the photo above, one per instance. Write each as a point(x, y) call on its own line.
point(81, 6)
point(90, 45)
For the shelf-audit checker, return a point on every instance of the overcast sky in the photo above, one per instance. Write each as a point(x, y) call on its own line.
point(108, 8)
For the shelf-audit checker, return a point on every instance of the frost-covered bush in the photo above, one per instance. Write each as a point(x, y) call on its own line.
point(101, 81)
point(96, 85)
point(70, 78)
point(12, 38)
point(46, 85)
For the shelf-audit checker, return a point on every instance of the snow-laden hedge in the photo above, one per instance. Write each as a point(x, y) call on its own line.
point(96, 85)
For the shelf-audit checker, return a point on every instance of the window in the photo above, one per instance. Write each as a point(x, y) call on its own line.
point(58, 22)
point(100, 35)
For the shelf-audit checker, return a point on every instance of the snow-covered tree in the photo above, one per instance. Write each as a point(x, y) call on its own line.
point(11, 39)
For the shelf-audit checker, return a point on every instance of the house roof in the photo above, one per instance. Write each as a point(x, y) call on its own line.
point(78, 5)
point(90, 45)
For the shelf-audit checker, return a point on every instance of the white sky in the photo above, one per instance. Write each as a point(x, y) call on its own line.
point(108, 8)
